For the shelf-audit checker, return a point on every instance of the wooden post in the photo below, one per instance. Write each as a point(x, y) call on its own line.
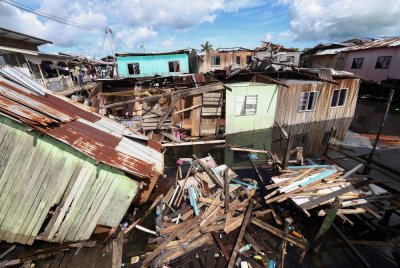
point(240, 236)
point(286, 154)
point(226, 193)
point(117, 245)
point(371, 155)
point(326, 224)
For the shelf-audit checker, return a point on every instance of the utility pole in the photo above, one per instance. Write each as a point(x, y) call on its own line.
point(371, 154)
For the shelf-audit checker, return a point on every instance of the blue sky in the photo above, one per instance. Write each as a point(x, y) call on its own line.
point(163, 25)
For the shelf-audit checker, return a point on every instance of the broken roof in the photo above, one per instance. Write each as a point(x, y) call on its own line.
point(378, 43)
point(101, 138)
point(22, 37)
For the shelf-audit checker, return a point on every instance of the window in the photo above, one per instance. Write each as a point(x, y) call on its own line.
point(383, 62)
point(174, 66)
point(338, 97)
point(246, 105)
point(248, 59)
point(215, 61)
point(238, 59)
point(300, 140)
point(357, 63)
point(308, 101)
point(290, 58)
point(133, 68)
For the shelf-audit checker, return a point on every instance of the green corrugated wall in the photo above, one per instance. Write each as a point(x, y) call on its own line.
point(39, 174)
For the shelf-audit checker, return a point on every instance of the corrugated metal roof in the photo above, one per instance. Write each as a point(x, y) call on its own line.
point(380, 43)
point(98, 137)
point(331, 51)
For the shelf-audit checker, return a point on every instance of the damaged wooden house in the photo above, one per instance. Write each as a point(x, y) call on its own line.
point(22, 52)
point(65, 170)
point(186, 104)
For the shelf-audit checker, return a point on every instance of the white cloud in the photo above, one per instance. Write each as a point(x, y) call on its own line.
point(168, 42)
point(341, 19)
point(268, 37)
point(133, 36)
point(133, 21)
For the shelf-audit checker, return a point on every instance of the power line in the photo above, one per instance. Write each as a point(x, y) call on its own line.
point(52, 17)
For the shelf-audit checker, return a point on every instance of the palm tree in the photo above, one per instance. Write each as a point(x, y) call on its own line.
point(207, 47)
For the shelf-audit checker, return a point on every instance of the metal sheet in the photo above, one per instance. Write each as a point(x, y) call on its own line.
point(98, 137)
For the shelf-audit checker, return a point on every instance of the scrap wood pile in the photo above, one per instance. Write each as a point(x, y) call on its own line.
point(320, 185)
point(211, 208)
point(241, 221)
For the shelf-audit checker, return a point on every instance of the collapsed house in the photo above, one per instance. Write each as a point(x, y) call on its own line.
point(192, 102)
point(64, 169)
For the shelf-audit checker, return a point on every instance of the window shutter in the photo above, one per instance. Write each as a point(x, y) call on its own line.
point(239, 105)
point(251, 105)
point(303, 101)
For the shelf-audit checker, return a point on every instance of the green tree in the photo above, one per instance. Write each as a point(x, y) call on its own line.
point(207, 47)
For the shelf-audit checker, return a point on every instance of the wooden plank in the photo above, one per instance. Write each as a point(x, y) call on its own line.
point(102, 198)
point(208, 171)
point(28, 180)
point(295, 241)
point(182, 92)
point(184, 230)
point(117, 246)
point(38, 210)
point(221, 246)
point(196, 116)
point(188, 109)
point(54, 181)
point(240, 236)
point(375, 243)
point(235, 223)
point(81, 203)
point(71, 195)
point(174, 100)
point(58, 176)
point(327, 197)
point(364, 261)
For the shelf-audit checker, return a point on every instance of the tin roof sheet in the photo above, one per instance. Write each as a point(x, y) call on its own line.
point(96, 136)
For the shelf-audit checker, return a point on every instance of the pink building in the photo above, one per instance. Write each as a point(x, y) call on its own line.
point(375, 60)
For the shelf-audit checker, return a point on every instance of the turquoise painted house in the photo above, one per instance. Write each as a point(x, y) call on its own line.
point(151, 64)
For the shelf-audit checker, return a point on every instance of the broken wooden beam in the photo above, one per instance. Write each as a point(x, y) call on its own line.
point(358, 254)
point(192, 143)
point(240, 236)
point(295, 241)
point(183, 92)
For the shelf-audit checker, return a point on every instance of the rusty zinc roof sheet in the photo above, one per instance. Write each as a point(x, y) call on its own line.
point(379, 43)
point(83, 130)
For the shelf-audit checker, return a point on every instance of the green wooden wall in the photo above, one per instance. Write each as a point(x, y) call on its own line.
point(39, 174)
point(266, 105)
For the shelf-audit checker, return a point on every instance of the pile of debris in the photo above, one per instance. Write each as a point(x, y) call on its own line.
point(211, 208)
